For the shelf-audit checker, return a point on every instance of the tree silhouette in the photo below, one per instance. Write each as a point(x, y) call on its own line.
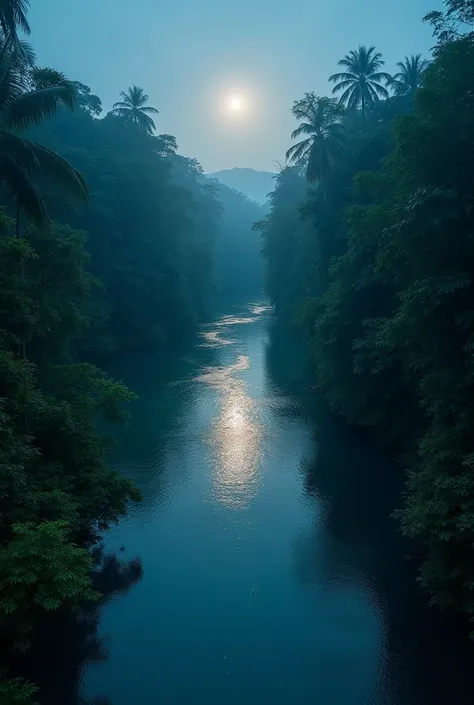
point(361, 82)
point(324, 143)
point(133, 108)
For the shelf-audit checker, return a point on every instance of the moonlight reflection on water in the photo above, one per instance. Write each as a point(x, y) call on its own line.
point(235, 437)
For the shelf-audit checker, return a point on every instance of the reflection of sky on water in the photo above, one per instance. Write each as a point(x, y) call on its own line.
point(235, 437)
point(213, 335)
point(234, 320)
point(258, 309)
point(213, 339)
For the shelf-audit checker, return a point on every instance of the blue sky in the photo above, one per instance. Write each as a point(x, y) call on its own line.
point(186, 53)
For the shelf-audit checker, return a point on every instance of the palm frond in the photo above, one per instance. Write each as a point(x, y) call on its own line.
point(145, 122)
point(372, 96)
point(18, 149)
point(399, 87)
point(35, 159)
point(349, 63)
point(304, 129)
point(59, 171)
point(19, 184)
point(355, 97)
point(26, 53)
point(379, 76)
point(299, 150)
point(378, 89)
point(344, 84)
point(13, 14)
point(35, 106)
point(121, 104)
point(348, 93)
point(137, 96)
point(343, 76)
point(134, 110)
point(11, 86)
point(149, 109)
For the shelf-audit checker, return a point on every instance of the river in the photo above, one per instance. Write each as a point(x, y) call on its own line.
point(272, 571)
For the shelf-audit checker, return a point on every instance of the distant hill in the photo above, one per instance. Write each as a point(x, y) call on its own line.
point(254, 184)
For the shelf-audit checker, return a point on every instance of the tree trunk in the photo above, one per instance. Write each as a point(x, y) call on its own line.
point(363, 113)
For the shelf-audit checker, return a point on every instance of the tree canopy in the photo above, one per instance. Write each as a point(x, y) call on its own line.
point(361, 82)
point(133, 108)
point(379, 276)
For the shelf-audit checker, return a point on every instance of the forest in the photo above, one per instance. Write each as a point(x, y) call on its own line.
point(369, 248)
point(113, 241)
point(110, 241)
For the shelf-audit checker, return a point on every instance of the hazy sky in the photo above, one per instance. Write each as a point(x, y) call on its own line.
point(186, 54)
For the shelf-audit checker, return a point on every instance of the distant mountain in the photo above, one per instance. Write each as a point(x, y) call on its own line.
point(254, 184)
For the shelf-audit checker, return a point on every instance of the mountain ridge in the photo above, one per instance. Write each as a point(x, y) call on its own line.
point(254, 184)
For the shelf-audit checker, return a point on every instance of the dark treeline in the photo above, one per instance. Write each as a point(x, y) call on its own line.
point(160, 235)
point(370, 248)
point(140, 264)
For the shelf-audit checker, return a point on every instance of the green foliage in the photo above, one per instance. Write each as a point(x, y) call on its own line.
point(408, 79)
point(450, 24)
point(322, 121)
point(56, 493)
point(163, 239)
point(13, 15)
point(133, 109)
point(16, 691)
point(361, 82)
point(22, 160)
point(41, 569)
point(381, 275)
point(86, 100)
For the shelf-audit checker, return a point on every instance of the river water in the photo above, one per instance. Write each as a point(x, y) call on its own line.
point(272, 572)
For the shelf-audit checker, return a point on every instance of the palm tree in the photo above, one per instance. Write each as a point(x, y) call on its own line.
point(326, 137)
point(134, 109)
point(408, 79)
point(361, 82)
point(12, 15)
point(21, 159)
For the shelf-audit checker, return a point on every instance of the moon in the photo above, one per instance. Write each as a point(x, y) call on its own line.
point(236, 103)
point(235, 106)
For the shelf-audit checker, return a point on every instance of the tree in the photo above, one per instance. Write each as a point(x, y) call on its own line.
point(391, 331)
point(45, 78)
point(21, 160)
point(87, 100)
point(41, 568)
point(361, 82)
point(12, 15)
point(320, 150)
point(408, 79)
point(133, 108)
point(449, 25)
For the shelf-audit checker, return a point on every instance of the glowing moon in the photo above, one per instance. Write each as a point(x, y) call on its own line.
point(236, 103)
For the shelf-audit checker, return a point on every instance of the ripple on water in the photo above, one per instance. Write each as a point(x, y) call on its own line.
point(235, 436)
point(213, 339)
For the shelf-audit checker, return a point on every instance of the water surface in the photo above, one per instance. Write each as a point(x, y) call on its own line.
point(272, 571)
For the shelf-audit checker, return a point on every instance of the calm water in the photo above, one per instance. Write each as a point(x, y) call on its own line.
point(272, 571)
